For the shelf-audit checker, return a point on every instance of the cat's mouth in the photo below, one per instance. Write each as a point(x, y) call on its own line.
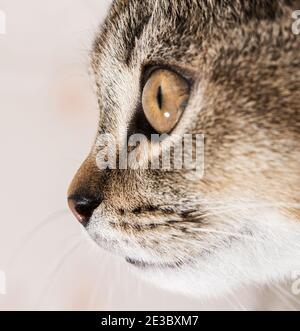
point(152, 265)
point(113, 247)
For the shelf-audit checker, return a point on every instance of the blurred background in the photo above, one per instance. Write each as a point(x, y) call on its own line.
point(48, 121)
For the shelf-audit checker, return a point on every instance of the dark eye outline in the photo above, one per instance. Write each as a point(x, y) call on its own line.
point(149, 69)
point(139, 123)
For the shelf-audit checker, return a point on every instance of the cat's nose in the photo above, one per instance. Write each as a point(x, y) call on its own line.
point(83, 207)
point(84, 194)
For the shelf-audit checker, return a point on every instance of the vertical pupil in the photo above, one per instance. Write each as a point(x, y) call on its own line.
point(159, 97)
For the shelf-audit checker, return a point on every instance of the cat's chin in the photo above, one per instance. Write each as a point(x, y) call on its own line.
point(170, 278)
point(182, 281)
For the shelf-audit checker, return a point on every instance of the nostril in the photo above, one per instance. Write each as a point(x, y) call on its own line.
point(83, 207)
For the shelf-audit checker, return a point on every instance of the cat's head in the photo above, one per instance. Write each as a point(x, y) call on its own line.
point(229, 73)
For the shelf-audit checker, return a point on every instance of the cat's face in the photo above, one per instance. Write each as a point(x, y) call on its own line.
point(233, 72)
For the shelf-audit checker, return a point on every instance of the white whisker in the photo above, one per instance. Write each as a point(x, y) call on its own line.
point(57, 267)
point(289, 295)
point(233, 234)
point(279, 294)
point(51, 218)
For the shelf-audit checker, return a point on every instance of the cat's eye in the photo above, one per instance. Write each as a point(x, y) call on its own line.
point(165, 97)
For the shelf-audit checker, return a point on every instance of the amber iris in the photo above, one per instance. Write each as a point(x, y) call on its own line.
point(165, 97)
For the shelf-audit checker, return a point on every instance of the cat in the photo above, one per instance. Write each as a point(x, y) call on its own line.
point(228, 70)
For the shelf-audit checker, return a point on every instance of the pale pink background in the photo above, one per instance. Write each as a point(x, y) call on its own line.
point(48, 120)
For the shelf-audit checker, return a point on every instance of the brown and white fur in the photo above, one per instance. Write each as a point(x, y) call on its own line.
point(240, 223)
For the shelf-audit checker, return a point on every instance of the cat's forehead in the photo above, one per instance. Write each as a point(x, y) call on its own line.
point(169, 28)
point(142, 25)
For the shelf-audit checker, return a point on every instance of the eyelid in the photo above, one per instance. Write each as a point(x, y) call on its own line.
point(149, 69)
